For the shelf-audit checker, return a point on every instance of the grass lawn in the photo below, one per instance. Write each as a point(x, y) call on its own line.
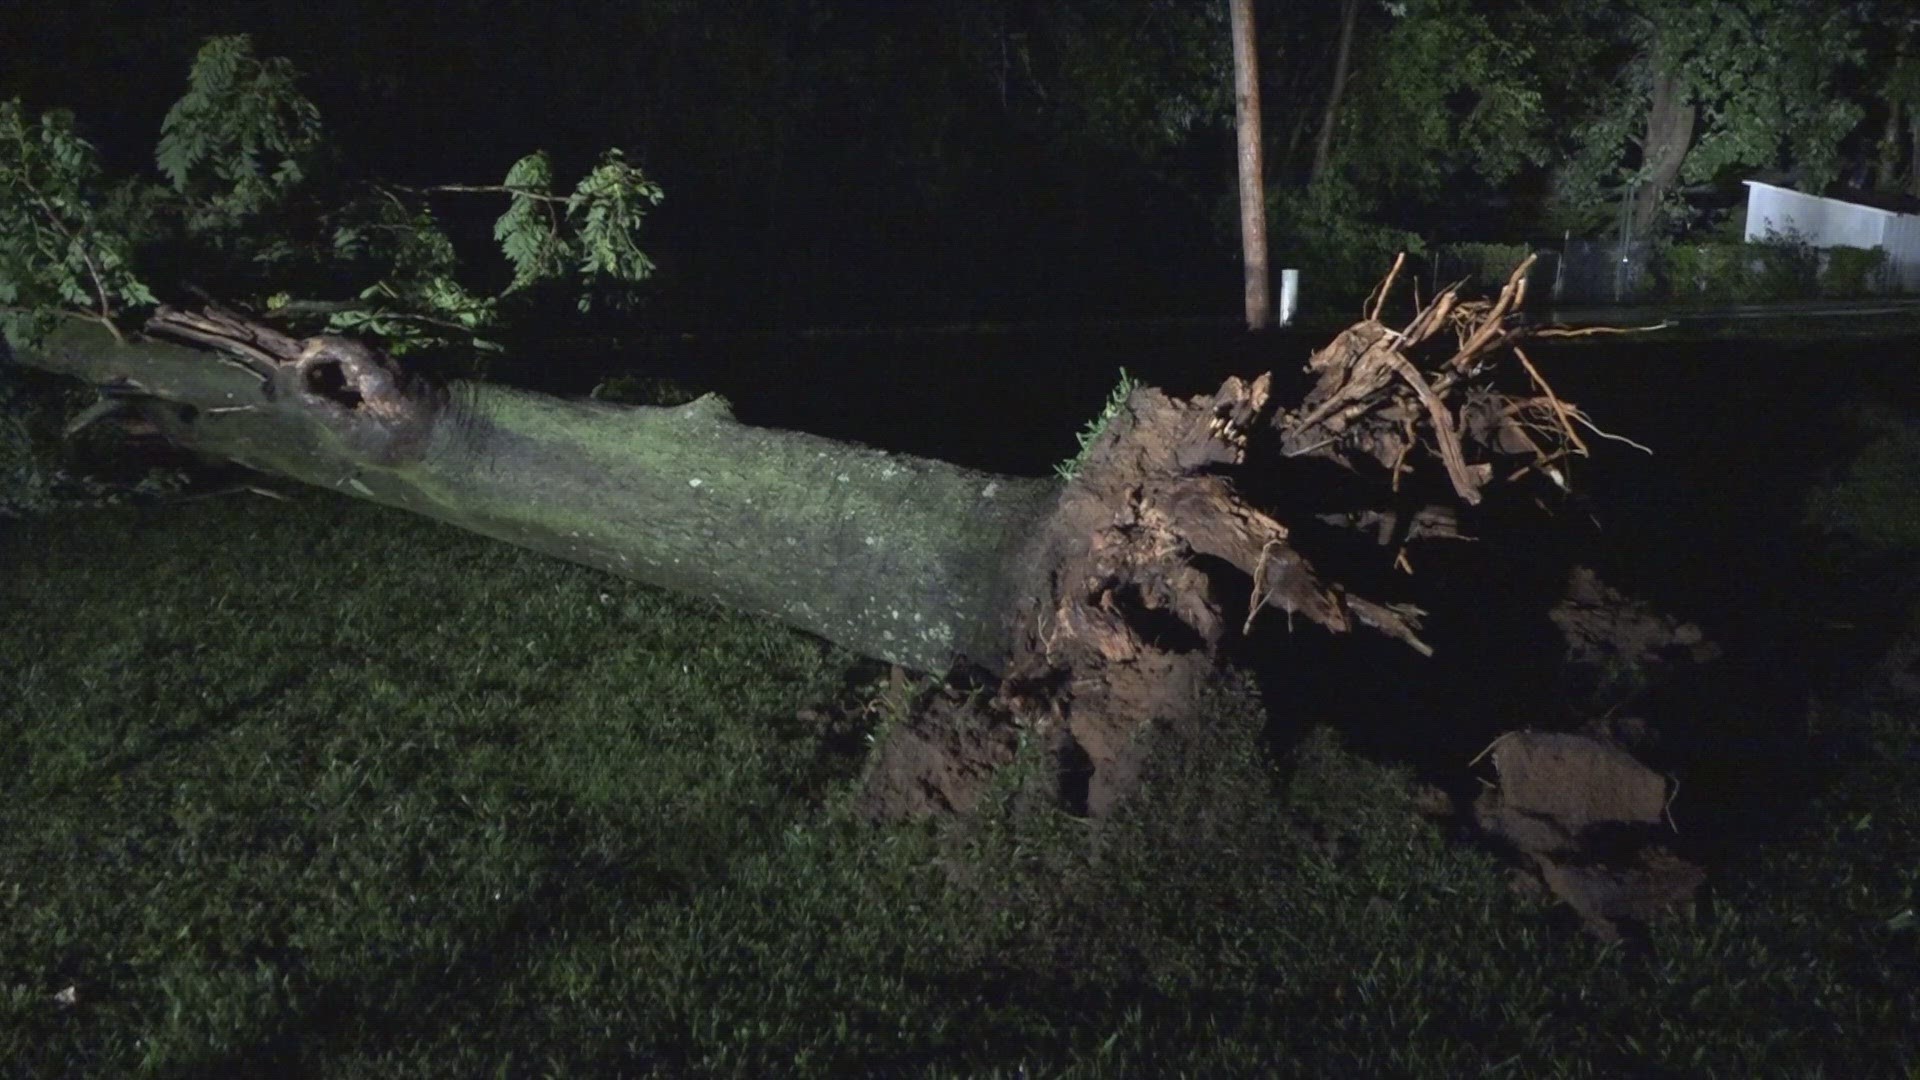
point(324, 790)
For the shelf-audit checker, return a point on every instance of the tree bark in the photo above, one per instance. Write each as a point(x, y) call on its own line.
point(1913, 154)
point(1100, 606)
point(896, 557)
point(1323, 145)
point(1253, 189)
point(1886, 163)
point(1670, 120)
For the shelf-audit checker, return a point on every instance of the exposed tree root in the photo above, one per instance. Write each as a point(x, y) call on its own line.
point(1157, 558)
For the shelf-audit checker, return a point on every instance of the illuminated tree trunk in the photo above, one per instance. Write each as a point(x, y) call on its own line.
point(896, 557)
point(1670, 120)
point(1886, 164)
point(1913, 153)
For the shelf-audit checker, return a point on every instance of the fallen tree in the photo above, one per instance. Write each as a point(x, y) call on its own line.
point(1080, 618)
point(1097, 605)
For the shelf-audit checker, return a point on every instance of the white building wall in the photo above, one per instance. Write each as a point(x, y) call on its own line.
point(1902, 241)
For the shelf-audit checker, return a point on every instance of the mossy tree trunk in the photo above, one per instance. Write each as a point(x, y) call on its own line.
point(896, 557)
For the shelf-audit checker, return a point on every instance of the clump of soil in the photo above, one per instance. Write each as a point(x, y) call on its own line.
point(1587, 814)
point(938, 761)
point(1603, 626)
point(1591, 819)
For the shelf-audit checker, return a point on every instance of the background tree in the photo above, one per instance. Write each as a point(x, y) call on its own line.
point(1435, 103)
point(1336, 90)
point(1445, 90)
point(836, 160)
point(1891, 61)
point(1700, 88)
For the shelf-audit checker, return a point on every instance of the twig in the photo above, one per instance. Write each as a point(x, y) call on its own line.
point(481, 189)
point(1591, 426)
point(65, 313)
point(105, 316)
point(1393, 620)
point(1323, 443)
point(230, 489)
point(1559, 410)
point(1587, 331)
point(105, 405)
point(1432, 317)
point(298, 308)
point(1510, 296)
point(1260, 601)
point(1496, 742)
point(1379, 298)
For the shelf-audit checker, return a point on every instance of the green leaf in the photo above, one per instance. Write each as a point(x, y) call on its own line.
point(234, 142)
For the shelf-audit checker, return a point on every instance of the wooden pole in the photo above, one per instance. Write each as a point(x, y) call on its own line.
point(1253, 204)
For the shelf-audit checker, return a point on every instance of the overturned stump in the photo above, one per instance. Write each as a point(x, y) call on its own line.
point(1160, 556)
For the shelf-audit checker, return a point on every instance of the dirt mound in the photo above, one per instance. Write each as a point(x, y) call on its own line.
point(936, 763)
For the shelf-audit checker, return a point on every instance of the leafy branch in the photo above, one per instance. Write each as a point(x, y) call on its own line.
point(60, 255)
point(590, 230)
point(234, 153)
point(237, 141)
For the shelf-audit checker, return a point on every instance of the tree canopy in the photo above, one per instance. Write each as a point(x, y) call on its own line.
point(1702, 89)
point(831, 158)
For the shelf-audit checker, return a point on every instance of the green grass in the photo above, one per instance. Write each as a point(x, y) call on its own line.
point(325, 790)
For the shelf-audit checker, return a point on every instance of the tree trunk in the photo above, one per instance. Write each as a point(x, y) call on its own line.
point(1886, 164)
point(1323, 146)
point(1913, 154)
point(1101, 606)
point(1253, 189)
point(1670, 120)
point(896, 557)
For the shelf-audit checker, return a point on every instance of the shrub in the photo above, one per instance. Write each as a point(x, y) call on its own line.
point(1872, 504)
point(25, 476)
point(1785, 266)
point(1853, 271)
point(1707, 271)
point(630, 389)
point(1485, 266)
point(1327, 230)
point(1778, 267)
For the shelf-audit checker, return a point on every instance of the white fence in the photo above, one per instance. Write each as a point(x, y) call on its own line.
point(1825, 223)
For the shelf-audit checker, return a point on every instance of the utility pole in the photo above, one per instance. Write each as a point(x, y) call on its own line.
point(1253, 192)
